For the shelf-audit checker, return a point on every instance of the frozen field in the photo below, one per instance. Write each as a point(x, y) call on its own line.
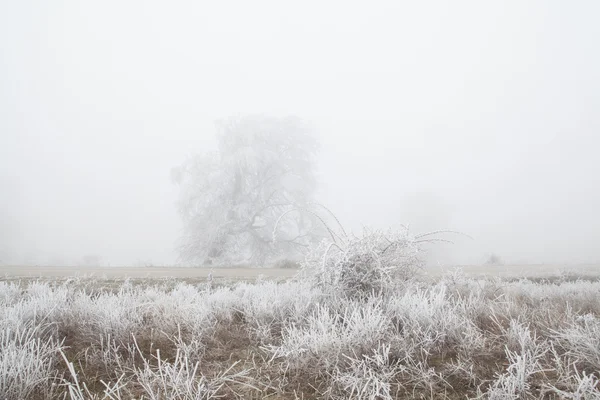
point(506, 271)
point(355, 333)
point(143, 272)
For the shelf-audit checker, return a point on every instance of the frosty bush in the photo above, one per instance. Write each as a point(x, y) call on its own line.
point(360, 266)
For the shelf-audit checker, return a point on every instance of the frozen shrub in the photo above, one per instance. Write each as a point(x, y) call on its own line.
point(359, 266)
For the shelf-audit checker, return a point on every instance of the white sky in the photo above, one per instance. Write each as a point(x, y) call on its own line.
point(477, 116)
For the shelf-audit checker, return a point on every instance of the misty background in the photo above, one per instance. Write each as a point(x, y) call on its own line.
point(481, 117)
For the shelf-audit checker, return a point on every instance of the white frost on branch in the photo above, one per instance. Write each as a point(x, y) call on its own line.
point(231, 199)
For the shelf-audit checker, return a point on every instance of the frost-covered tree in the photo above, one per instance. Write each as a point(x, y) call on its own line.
point(235, 203)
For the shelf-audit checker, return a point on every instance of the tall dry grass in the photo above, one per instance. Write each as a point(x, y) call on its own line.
point(357, 323)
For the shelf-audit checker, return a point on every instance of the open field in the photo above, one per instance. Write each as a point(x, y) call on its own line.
point(455, 338)
point(452, 337)
point(362, 320)
point(531, 271)
point(539, 271)
point(142, 272)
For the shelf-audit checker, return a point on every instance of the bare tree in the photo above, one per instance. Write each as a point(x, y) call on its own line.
point(231, 200)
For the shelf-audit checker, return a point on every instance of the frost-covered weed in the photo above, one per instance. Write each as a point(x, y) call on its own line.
point(182, 308)
point(579, 296)
point(570, 291)
point(76, 390)
point(327, 336)
point(470, 337)
point(107, 356)
point(583, 386)
point(515, 382)
point(175, 380)
point(520, 338)
point(27, 362)
point(39, 303)
point(524, 362)
point(117, 314)
point(428, 320)
point(367, 377)
point(10, 293)
point(581, 340)
point(268, 306)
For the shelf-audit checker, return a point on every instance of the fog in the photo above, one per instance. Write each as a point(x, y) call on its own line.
point(480, 117)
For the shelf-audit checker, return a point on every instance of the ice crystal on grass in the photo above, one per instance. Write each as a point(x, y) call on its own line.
point(524, 363)
point(27, 362)
point(399, 338)
point(326, 336)
point(368, 377)
point(581, 340)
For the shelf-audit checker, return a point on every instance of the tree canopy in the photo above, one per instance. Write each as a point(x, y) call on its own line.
point(236, 203)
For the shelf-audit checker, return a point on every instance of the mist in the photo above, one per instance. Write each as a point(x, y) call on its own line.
point(472, 116)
